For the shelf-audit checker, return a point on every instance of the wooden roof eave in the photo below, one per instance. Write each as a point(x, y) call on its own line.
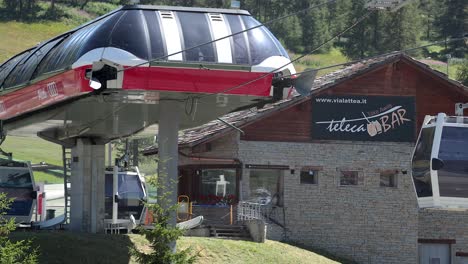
point(436, 75)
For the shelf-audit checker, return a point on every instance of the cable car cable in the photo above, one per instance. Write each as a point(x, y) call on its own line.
point(374, 57)
point(359, 20)
point(341, 64)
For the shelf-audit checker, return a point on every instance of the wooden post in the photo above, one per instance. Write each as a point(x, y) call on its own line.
point(231, 214)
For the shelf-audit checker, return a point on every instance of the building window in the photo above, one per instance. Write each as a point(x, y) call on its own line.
point(309, 176)
point(348, 178)
point(388, 178)
point(217, 185)
point(266, 186)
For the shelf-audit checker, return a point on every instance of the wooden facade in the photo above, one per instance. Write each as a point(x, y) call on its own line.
point(403, 77)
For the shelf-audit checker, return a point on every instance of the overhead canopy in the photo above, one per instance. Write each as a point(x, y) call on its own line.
point(149, 33)
point(140, 56)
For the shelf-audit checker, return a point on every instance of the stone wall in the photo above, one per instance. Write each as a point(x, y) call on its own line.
point(446, 224)
point(366, 223)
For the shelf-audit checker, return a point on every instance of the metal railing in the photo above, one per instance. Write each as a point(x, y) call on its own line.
point(266, 212)
point(250, 211)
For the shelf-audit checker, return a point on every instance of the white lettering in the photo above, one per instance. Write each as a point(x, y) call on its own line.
point(373, 125)
point(52, 89)
point(42, 94)
point(337, 126)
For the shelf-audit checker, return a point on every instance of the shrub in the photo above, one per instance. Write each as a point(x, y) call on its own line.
point(13, 252)
point(163, 236)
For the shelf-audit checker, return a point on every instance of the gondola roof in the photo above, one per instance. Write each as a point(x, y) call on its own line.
point(147, 33)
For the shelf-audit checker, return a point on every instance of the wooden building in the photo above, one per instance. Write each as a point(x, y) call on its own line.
point(334, 168)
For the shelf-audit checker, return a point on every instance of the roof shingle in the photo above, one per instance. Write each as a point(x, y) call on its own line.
point(197, 135)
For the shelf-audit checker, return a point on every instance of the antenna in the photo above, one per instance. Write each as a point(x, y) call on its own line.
point(389, 5)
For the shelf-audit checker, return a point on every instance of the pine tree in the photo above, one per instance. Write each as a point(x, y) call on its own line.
point(356, 43)
point(163, 235)
point(403, 29)
point(453, 24)
point(315, 27)
point(13, 252)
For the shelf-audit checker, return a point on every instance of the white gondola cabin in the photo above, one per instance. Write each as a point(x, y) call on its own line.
point(124, 201)
point(440, 162)
point(16, 180)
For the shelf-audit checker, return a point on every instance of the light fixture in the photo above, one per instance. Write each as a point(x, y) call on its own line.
point(95, 84)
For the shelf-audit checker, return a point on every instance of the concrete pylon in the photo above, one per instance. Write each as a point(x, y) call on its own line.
point(168, 153)
point(87, 187)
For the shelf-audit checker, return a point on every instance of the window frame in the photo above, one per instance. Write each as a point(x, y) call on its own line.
point(316, 171)
point(340, 174)
point(393, 173)
point(279, 183)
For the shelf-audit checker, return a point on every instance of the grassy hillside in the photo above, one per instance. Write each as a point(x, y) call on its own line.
point(35, 150)
point(214, 251)
point(19, 36)
point(58, 247)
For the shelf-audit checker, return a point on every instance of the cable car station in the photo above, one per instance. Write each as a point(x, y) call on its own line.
point(368, 162)
point(124, 73)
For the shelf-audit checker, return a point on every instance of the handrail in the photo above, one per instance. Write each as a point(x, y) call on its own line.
point(256, 211)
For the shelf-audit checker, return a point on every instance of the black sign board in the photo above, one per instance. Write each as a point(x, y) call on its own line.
point(363, 118)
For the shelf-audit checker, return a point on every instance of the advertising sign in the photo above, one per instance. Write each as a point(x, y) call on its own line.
point(363, 118)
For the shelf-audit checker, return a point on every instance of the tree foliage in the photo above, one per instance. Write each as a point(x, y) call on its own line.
point(163, 236)
point(13, 252)
point(421, 21)
point(462, 73)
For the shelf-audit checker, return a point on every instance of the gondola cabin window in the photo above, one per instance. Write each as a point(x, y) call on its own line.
point(421, 168)
point(453, 151)
point(349, 178)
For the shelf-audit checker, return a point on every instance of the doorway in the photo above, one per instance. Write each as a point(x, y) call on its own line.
point(434, 253)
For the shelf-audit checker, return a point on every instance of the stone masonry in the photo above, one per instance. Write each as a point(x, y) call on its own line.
point(366, 223)
point(446, 224)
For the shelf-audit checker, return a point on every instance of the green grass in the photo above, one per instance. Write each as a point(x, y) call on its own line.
point(46, 178)
point(452, 69)
point(65, 247)
point(214, 251)
point(33, 149)
point(19, 36)
point(334, 56)
point(99, 8)
point(434, 49)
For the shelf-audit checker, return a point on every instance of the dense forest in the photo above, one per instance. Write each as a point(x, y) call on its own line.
point(419, 23)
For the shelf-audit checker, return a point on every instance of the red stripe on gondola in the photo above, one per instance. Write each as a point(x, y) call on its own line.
point(73, 83)
point(196, 81)
point(41, 94)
